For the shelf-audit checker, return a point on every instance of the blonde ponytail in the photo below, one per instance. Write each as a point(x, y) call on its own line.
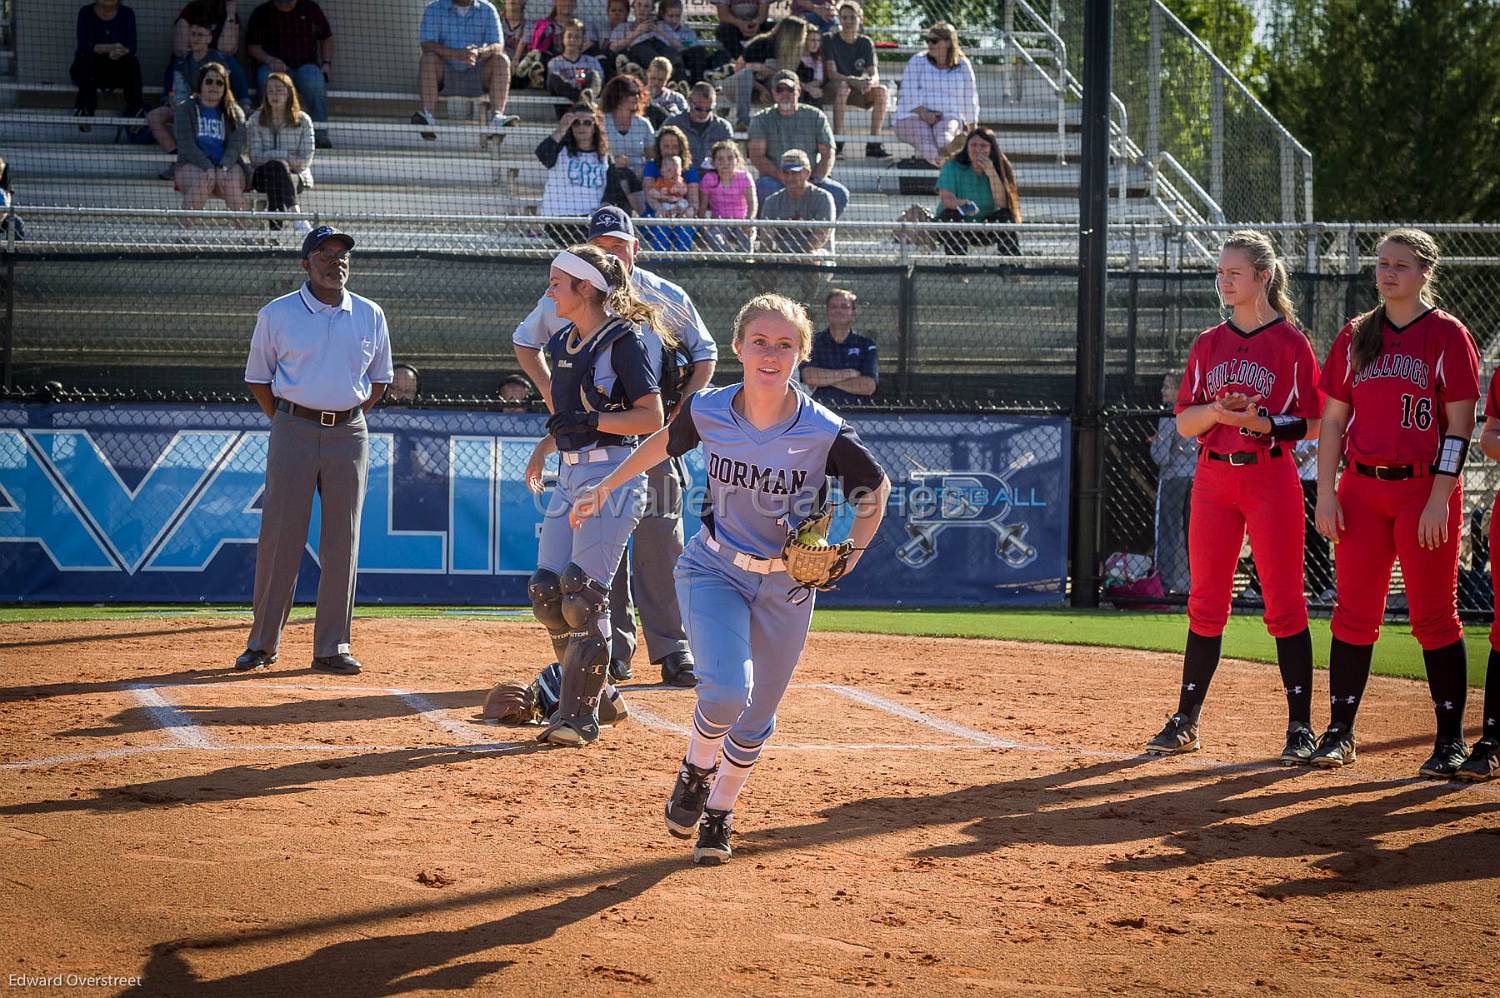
point(1257, 246)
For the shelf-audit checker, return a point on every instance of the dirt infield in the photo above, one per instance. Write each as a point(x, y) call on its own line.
point(934, 816)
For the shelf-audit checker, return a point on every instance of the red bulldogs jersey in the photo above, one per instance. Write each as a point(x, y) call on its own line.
point(1397, 401)
point(1492, 401)
point(1274, 361)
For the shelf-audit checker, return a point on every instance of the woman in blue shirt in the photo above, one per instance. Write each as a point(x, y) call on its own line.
point(211, 137)
point(105, 59)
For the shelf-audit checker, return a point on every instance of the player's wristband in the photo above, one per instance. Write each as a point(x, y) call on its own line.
point(1288, 427)
point(1450, 459)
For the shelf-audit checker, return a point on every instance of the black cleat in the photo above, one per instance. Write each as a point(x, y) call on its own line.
point(1300, 744)
point(1483, 760)
point(1335, 748)
point(1448, 755)
point(689, 798)
point(713, 839)
point(342, 664)
point(677, 670)
point(620, 670)
point(253, 659)
point(1180, 735)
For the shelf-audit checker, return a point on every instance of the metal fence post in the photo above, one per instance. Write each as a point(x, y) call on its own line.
point(1153, 88)
point(1288, 182)
point(906, 312)
point(1216, 138)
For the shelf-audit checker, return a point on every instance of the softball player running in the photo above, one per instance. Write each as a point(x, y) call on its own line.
point(1249, 393)
point(604, 395)
point(771, 452)
point(1401, 382)
point(1484, 757)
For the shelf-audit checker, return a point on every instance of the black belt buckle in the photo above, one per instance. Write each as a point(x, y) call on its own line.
point(328, 418)
point(1240, 458)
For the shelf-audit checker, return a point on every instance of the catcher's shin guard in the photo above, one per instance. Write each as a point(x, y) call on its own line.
point(585, 665)
point(545, 590)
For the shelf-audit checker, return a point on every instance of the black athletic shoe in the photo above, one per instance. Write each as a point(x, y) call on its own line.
point(874, 150)
point(689, 798)
point(1180, 735)
point(620, 670)
point(713, 839)
point(1335, 748)
point(1300, 744)
point(342, 664)
point(677, 670)
point(1483, 760)
point(253, 658)
point(1448, 754)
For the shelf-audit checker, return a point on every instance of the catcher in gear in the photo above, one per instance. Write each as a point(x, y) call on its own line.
point(771, 454)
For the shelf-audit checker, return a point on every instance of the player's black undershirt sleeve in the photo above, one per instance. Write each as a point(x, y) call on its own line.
point(682, 433)
point(851, 462)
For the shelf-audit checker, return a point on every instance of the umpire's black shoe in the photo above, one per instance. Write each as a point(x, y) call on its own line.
point(1335, 748)
point(677, 670)
point(1180, 735)
point(253, 658)
point(713, 839)
point(1300, 744)
point(342, 664)
point(689, 798)
point(1448, 754)
point(1483, 761)
point(620, 670)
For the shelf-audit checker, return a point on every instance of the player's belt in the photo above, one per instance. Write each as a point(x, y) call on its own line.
point(1239, 458)
point(750, 563)
point(326, 417)
point(1392, 472)
point(592, 455)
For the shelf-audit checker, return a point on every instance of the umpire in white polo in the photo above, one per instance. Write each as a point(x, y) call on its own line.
point(320, 357)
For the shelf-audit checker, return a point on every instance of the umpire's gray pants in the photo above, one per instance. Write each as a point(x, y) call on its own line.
point(649, 563)
point(333, 460)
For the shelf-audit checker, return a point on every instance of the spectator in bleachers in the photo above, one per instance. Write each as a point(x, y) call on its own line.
point(463, 55)
point(576, 157)
point(703, 128)
point(222, 18)
point(854, 74)
point(810, 72)
point(819, 14)
point(616, 13)
point(978, 186)
point(516, 388)
point(281, 149)
point(630, 134)
point(939, 100)
point(514, 35)
point(547, 37)
point(696, 58)
point(790, 125)
point(843, 368)
point(798, 200)
point(670, 192)
point(105, 58)
point(573, 71)
point(294, 37)
point(1176, 457)
point(404, 384)
point(664, 102)
point(5, 201)
point(739, 21)
point(211, 141)
point(727, 191)
point(782, 47)
point(177, 85)
point(671, 142)
point(644, 38)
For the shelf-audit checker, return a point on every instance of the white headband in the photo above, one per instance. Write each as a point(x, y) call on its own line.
point(576, 266)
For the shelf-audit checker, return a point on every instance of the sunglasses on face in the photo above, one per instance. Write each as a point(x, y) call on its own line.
point(702, 110)
point(332, 256)
point(213, 82)
point(934, 39)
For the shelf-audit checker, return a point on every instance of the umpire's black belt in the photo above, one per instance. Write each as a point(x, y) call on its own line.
point(1392, 472)
point(1239, 458)
point(324, 416)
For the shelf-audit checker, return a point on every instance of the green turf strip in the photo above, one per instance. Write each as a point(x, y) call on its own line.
point(1397, 654)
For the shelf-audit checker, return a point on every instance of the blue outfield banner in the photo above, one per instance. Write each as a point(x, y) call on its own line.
point(162, 504)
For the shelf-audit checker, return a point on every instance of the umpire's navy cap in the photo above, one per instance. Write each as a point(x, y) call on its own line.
point(318, 236)
point(609, 220)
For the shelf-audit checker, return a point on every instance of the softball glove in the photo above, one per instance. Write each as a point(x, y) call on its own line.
point(811, 561)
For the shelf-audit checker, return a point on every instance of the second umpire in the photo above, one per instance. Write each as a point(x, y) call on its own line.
point(657, 541)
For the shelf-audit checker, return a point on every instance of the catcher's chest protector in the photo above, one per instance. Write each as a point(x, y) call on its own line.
point(757, 477)
point(584, 378)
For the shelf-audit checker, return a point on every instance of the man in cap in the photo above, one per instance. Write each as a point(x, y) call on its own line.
point(320, 358)
point(788, 125)
point(798, 201)
point(658, 537)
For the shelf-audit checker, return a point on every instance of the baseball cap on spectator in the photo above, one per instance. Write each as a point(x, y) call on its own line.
point(794, 160)
point(318, 236)
point(611, 221)
point(787, 77)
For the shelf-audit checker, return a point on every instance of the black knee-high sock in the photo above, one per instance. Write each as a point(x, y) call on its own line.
point(1491, 721)
point(1198, 665)
point(1348, 672)
point(1295, 658)
point(1448, 679)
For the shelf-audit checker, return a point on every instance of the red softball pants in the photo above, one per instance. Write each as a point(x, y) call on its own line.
point(1266, 499)
point(1380, 526)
